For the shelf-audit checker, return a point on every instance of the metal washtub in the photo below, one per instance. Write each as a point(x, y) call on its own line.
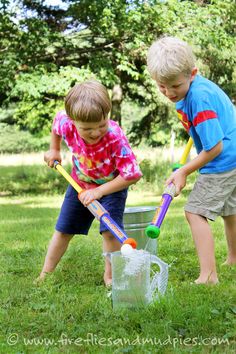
point(136, 219)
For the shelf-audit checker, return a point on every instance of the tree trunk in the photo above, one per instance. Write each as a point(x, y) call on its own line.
point(117, 97)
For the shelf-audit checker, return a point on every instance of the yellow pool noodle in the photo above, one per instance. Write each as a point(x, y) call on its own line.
point(186, 151)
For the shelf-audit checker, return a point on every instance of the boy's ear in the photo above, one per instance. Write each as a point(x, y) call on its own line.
point(193, 74)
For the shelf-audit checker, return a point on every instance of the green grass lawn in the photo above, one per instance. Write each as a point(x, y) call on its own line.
point(70, 312)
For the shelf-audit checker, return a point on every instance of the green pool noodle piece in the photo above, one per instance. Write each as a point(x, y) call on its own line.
point(152, 231)
point(176, 166)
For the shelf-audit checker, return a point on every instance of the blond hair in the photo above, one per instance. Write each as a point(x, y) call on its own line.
point(88, 102)
point(168, 57)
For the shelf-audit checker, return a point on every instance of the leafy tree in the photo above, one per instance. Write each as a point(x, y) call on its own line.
point(49, 48)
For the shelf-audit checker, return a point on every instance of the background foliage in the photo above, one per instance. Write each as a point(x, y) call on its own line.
point(46, 49)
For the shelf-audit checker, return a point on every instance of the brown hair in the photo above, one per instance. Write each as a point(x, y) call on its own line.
point(88, 102)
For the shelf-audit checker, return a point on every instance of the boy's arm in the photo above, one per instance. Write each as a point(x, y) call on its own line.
point(55, 150)
point(179, 176)
point(117, 184)
point(202, 159)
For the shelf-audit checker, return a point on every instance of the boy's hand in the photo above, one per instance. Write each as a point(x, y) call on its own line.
point(178, 178)
point(51, 155)
point(89, 195)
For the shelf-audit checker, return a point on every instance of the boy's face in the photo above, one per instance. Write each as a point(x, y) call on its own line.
point(92, 132)
point(177, 88)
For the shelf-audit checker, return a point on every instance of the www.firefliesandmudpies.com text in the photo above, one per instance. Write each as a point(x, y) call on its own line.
point(92, 339)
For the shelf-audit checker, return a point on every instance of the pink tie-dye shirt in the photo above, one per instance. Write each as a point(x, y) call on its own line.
point(98, 163)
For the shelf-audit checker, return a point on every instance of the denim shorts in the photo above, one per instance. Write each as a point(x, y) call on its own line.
point(213, 195)
point(75, 218)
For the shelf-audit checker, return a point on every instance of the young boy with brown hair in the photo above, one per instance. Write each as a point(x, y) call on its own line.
point(103, 165)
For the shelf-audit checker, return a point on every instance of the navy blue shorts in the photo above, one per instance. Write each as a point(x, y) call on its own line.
point(75, 218)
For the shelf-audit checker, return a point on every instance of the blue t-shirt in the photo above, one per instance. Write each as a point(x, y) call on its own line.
point(209, 117)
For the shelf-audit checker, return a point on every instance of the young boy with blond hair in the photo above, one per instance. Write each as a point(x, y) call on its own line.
point(103, 165)
point(209, 117)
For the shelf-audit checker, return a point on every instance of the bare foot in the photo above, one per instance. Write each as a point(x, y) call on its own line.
point(207, 282)
point(207, 279)
point(40, 278)
point(107, 279)
point(230, 261)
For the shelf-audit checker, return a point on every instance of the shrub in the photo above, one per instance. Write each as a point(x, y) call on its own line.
point(15, 141)
point(37, 179)
point(16, 180)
